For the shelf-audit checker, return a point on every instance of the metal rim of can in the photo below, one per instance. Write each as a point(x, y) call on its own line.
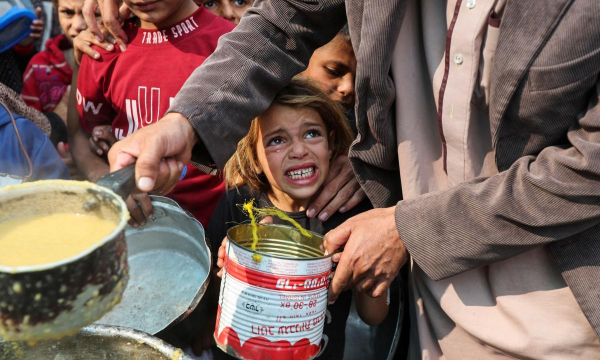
point(234, 242)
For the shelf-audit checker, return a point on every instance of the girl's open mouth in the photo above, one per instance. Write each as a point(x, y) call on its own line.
point(302, 176)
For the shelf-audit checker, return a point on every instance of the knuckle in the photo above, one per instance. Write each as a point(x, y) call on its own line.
point(109, 21)
point(346, 192)
point(319, 204)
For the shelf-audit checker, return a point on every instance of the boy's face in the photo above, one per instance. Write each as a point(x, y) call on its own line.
point(160, 13)
point(293, 150)
point(231, 10)
point(333, 67)
point(70, 17)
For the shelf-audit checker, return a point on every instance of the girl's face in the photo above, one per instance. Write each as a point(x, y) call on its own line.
point(231, 10)
point(333, 67)
point(293, 151)
point(70, 17)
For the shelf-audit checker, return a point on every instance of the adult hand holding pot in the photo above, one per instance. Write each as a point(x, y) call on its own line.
point(161, 150)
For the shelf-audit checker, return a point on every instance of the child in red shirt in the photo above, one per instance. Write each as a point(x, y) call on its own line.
point(48, 74)
point(132, 89)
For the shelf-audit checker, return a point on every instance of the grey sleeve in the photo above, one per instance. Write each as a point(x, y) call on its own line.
point(538, 201)
point(272, 43)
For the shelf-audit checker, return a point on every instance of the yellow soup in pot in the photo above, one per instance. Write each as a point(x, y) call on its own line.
point(49, 238)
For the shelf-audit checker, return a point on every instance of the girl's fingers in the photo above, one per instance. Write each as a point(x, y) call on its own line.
point(89, 51)
point(267, 220)
point(89, 13)
point(95, 148)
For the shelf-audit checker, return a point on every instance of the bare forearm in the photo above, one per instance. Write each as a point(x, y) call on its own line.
point(89, 164)
point(371, 310)
point(72, 115)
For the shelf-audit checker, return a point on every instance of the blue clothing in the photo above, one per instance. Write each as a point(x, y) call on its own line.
point(47, 164)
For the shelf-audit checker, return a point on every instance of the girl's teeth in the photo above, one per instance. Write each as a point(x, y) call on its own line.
point(301, 174)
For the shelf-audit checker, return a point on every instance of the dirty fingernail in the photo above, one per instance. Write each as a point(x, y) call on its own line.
point(311, 213)
point(323, 216)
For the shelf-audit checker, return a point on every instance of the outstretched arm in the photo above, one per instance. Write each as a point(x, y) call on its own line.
point(273, 42)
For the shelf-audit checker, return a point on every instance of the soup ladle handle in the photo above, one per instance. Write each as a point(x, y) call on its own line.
point(121, 182)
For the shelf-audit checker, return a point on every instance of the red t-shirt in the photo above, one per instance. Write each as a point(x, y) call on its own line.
point(133, 89)
point(47, 75)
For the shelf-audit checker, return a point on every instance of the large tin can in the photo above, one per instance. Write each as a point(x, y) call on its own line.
point(273, 308)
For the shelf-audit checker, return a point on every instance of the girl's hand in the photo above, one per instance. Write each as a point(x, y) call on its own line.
point(37, 28)
point(82, 44)
point(221, 252)
point(102, 139)
point(113, 15)
point(140, 209)
point(221, 257)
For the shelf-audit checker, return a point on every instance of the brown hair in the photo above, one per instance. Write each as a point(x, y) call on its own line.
point(243, 168)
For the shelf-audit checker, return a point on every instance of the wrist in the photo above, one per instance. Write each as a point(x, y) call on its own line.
point(185, 125)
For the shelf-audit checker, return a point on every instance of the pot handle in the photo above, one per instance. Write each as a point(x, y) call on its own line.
point(122, 181)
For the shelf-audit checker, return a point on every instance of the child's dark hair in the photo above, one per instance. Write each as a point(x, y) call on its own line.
point(244, 168)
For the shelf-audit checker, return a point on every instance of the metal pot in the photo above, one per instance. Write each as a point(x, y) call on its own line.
point(95, 342)
point(51, 300)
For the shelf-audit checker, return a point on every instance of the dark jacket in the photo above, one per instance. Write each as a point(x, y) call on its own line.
point(545, 124)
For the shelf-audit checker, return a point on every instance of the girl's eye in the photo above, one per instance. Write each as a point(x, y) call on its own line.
point(333, 71)
point(209, 4)
point(312, 134)
point(240, 2)
point(68, 12)
point(275, 141)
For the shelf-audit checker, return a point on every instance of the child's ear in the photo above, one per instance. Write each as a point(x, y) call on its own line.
point(330, 143)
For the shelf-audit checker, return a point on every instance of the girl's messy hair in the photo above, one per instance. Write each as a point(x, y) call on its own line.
point(243, 168)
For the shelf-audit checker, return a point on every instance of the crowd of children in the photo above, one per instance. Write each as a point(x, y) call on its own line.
point(282, 162)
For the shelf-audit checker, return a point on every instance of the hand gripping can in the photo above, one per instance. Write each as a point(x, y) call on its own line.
point(273, 308)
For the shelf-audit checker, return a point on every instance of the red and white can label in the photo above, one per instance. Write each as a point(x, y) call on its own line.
point(272, 309)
